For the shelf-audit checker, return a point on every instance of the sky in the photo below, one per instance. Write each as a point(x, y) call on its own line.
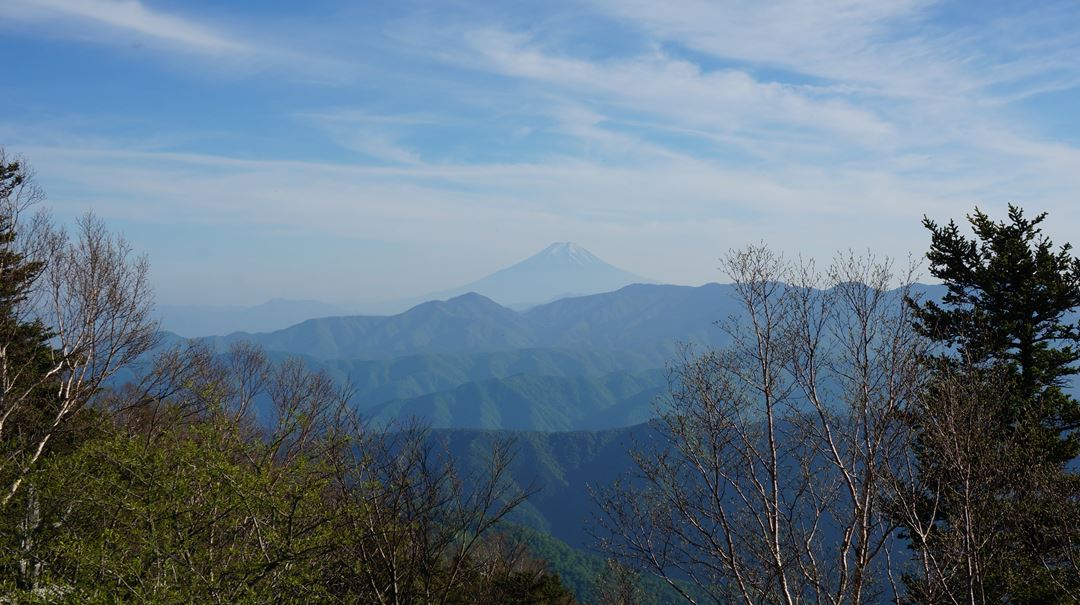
point(359, 151)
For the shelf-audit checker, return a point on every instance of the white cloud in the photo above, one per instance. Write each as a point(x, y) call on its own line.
point(891, 91)
point(885, 47)
point(727, 100)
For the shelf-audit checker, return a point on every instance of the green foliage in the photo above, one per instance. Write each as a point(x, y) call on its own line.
point(25, 340)
point(187, 515)
point(28, 399)
point(1009, 292)
point(520, 587)
point(577, 569)
point(586, 574)
point(1003, 321)
point(176, 495)
point(18, 272)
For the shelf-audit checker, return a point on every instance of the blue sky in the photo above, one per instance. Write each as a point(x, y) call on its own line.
point(352, 151)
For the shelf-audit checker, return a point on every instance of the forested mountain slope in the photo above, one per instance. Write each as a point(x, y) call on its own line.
point(376, 381)
point(562, 466)
point(527, 402)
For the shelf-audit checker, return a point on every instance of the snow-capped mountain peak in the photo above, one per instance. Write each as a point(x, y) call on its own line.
point(560, 269)
point(571, 252)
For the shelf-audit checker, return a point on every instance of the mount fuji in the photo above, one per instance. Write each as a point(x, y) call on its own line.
point(560, 270)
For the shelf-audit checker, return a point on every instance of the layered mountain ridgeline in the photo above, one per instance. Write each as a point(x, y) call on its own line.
point(573, 379)
point(649, 320)
point(469, 362)
point(645, 319)
point(527, 389)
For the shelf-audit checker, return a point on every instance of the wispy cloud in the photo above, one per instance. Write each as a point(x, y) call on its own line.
point(128, 15)
point(372, 135)
point(518, 206)
point(661, 135)
point(885, 47)
point(659, 84)
point(847, 85)
point(250, 47)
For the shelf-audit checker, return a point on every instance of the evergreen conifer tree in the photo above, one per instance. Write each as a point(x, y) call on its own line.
point(1006, 317)
point(26, 358)
point(1009, 294)
point(25, 353)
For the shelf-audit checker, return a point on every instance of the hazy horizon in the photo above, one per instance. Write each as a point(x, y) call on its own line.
point(343, 152)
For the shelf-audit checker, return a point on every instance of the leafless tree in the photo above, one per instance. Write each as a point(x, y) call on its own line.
point(417, 529)
point(618, 585)
point(94, 297)
point(766, 482)
point(506, 571)
point(948, 498)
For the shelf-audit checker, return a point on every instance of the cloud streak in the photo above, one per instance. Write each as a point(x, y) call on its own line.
point(890, 48)
point(254, 49)
point(727, 99)
point(132, 16)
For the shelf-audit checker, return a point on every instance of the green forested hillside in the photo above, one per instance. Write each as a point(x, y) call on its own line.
point(562, 466)
point(376, 381)
point(580, 568)
point(526, 402)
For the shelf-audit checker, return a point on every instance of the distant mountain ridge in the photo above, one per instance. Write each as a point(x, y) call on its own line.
point(650, 320)
point(647, 319)
point(468, 362)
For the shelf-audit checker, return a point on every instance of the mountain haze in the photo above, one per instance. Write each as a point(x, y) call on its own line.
point(467, 323)
point(192, 321)
point(560, 270)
